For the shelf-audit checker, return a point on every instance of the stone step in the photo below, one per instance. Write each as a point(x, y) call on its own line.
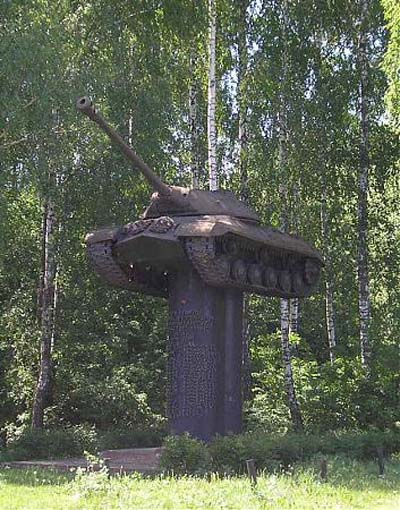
point(142, 460)
point(133, 453)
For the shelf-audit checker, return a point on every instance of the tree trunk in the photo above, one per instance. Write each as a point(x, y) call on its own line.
point(193, 123)
point(242, 101)
point(363, 280)
point(293, 404)
point(211, 129)
point(242, 164)
point(294, 315)
point(294, 303)
point(329, 305)
point(294, 407)
point(48, 304)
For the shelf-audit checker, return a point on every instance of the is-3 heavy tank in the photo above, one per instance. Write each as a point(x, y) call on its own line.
point(219, 235)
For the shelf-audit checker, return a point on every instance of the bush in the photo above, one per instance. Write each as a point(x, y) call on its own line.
point(183, 454)
point(51, 443)
point(332, 396)
point(114, 400)
point(130, 438)
point(364, 445)
point(74, 441)
point(228, 455)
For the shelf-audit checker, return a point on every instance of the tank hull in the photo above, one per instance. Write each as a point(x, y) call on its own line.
point(225, 252)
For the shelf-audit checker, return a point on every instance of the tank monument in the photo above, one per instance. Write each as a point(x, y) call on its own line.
point(200, 250)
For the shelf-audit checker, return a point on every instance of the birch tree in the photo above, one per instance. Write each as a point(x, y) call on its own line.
point(363, 277)
point(293, 403)
point(324, 135)
point(294, 303)
point(48, 300)
point(242, 100)
point(194, 121)
point(329, 305)
point(294, 315)
point(242, 141)
point(211, 104)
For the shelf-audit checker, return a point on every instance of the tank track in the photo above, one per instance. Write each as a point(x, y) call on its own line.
point(231, 261)
point(144, 280)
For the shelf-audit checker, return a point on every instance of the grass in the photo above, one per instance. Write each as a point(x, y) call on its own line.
point(351, 485)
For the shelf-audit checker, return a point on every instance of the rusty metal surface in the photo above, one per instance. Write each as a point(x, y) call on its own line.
point(181, 218)
point(202, 250)
point(130, 278)
point(265, 261)
point(196, 202)
point(216, 226)
point(285, 275)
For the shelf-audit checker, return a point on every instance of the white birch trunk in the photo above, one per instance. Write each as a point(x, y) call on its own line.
point(363, 279)
point(193, 124)
point(242, 101)
point(330, 319)
point(212, 86)
point(294, 315)
point(294, 304)
point(130, 128)
point(293, 404)
point(329, 305)
point(48, 303)
point(242, 164)
point(294, 408)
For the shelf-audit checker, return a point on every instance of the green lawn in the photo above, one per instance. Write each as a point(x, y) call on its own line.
point(351, 485)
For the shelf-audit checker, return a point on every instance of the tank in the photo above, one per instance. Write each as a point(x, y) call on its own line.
point(213, 231)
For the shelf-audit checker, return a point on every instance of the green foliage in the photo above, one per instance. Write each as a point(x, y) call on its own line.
point(183, 454)
point(74, 441)
point(109, 356)
point(51, 443)
point(116, 399)
point(391, 62)
point(228, 455)
point(91, 481)
point(331, 395)
point(120, 437)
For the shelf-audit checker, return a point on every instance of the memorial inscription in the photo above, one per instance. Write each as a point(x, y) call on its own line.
point(187, 325)
point(192, 366)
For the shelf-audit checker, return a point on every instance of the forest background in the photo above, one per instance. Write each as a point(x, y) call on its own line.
point(307, 119)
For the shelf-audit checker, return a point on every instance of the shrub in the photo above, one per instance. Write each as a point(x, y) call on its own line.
point(183, 454)
point(363, 445)
point(228, 455)
point(51, 443)
point(130, 438)
point(74, 441)
point(116, 399)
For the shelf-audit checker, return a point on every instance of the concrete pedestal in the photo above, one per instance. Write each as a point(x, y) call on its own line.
point(205, 350)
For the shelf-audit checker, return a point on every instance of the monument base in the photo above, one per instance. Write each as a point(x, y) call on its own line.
point(205, 351)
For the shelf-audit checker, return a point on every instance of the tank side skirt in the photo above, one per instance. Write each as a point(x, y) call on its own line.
point(286, 274)
point(105, 265)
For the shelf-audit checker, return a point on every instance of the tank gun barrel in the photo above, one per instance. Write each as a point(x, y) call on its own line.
point(86, 106)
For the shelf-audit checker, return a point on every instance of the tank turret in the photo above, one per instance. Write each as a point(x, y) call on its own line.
point(211, 230)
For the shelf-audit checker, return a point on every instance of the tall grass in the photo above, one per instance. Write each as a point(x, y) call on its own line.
point(351, 485)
